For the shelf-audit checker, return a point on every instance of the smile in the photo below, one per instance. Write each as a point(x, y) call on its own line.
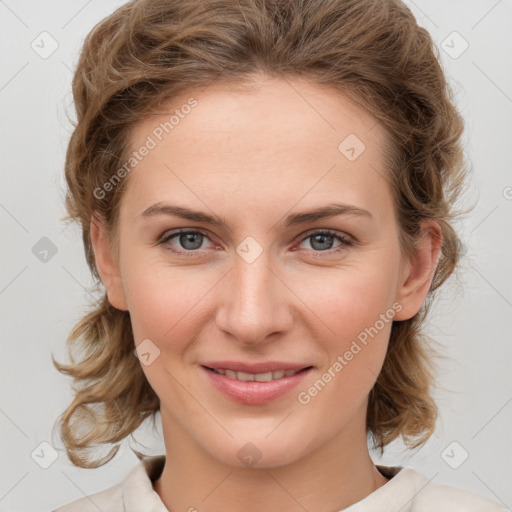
point(259, 377)
point(255, 388)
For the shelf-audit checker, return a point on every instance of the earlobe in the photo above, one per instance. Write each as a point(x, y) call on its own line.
point(107, 266)
point(419, 270)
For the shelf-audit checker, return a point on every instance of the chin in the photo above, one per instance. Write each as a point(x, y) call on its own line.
point(261, 450)
point(257, 455)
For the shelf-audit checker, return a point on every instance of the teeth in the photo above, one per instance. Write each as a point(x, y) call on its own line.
point(259, 377)
point(265, 377)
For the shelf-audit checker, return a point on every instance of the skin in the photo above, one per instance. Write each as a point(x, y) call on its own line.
point(252, 157)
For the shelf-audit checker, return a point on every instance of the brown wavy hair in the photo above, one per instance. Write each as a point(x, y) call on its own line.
point(149, 51)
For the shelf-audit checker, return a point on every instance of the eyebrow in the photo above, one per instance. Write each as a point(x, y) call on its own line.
point(293, 219)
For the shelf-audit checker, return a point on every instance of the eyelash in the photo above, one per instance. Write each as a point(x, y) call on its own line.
point(346, 241)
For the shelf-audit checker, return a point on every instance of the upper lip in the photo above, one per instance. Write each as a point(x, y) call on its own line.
point(263, 367)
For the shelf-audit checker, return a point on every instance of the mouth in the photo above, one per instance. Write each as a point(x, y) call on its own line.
point(255, 384)
point(257, 377)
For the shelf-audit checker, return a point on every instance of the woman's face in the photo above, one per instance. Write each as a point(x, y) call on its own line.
point(269, 285)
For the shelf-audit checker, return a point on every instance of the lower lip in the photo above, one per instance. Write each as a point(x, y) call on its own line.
point(253, 392)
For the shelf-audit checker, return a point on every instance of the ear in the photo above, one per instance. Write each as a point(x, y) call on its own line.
point(418, 270)
point(107, 266)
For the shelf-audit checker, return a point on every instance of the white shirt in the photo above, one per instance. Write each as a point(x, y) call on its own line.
point(406, 491)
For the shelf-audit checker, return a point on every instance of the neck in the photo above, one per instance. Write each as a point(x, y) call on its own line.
point(332, 477)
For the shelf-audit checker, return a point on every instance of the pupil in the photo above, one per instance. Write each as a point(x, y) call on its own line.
point(188, 238)
point(322, 239)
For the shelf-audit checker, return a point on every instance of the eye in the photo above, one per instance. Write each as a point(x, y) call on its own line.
point(322, 240)
point(190, 241)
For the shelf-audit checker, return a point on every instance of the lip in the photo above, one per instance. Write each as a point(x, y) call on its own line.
point(264, 367)
point(254, 392)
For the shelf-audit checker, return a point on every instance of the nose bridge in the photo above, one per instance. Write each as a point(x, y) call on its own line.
point(254, 304)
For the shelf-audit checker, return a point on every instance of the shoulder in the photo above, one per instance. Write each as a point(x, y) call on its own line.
point(455, 500)
point(110, 499)
point(431, 496)
point(134, 492)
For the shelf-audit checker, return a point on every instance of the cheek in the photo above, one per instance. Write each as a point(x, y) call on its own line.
point(165, 307)
point(165, 302)
point(348, 300)
point(356, 310)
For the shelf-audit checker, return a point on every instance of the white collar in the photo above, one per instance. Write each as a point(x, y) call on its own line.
point(397, 494)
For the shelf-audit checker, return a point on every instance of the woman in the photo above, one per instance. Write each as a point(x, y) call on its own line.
point(266, 192)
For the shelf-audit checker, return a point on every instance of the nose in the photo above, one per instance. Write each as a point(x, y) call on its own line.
point(254, 302)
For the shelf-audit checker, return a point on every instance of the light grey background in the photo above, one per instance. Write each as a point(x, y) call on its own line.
point(41, 301)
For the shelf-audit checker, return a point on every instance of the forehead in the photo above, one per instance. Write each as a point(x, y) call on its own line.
point(278, 140)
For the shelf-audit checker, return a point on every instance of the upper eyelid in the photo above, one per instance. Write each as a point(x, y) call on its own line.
point(329, 231)
point(302, 237)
